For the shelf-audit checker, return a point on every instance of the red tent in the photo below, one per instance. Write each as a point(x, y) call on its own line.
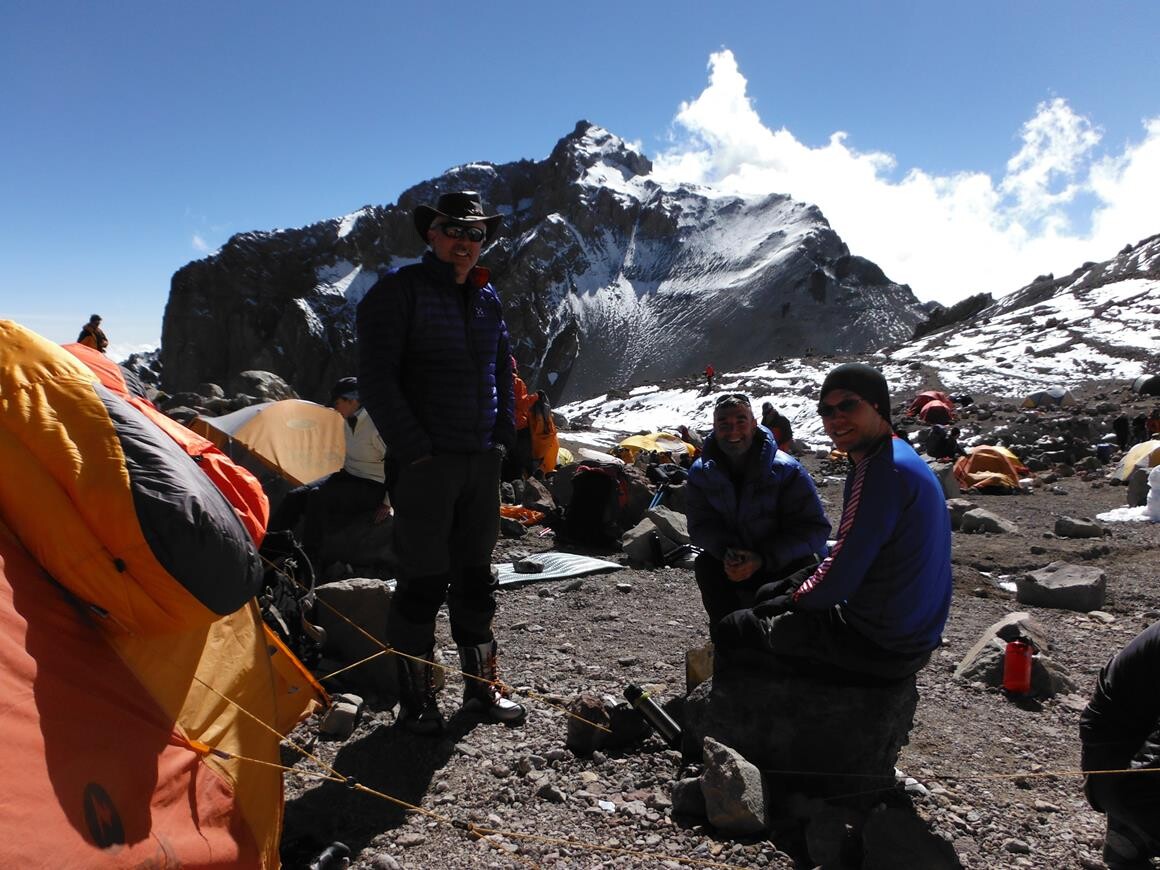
point(927, 396)
point(936, 411)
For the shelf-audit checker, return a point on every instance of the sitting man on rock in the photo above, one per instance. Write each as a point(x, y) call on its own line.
point(874, 609)
point(752, 509)
point(359, 487)
point(1120, 730)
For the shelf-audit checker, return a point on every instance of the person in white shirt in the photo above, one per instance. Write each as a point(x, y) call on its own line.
point(359, 487)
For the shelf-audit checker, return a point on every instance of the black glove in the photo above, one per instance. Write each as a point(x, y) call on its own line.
point(775, 606)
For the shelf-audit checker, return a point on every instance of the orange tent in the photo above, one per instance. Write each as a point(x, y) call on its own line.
point(144, 696)
point(990, 469)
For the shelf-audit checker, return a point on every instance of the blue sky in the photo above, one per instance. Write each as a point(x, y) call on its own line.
point(961, 146)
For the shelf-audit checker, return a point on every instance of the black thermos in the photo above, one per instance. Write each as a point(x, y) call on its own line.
point(665, 725)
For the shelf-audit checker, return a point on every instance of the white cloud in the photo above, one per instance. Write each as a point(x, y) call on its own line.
point(946, 235)
point(199, 244)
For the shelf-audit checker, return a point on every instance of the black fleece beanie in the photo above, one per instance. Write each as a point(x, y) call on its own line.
point(864, 380)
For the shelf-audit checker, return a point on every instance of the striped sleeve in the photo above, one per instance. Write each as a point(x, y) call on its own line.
point(858, 543)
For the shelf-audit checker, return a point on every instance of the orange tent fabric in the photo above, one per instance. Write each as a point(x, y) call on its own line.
point(927, 396)
point(937, 411)
point(988, 468)
point(120, 688)
point(240, 487)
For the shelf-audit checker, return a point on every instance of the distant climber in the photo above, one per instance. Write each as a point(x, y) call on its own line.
point(709, 372)
point(1122, 426)
point(943, 443)
point(779, 425)
point(92, 335)
point(1152, 424)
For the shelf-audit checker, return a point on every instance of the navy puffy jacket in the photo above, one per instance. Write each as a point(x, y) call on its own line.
point(435, 362)
point(775, 513)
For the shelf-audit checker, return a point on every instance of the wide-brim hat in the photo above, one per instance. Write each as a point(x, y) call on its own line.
point(464, 205)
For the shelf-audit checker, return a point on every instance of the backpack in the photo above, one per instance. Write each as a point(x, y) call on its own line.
point(287, 597)
point(592, 516)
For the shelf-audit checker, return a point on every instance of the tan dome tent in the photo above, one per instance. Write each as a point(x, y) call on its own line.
point(1052, 397)
point(1145, 455)
point(284, 444)
point(1147, 385)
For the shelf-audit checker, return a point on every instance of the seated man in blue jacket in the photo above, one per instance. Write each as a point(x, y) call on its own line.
point(876, 605)
point(752, 509)
point(1120, 730)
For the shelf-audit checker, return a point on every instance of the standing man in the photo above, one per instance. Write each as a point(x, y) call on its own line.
point(92, 335)
point(752, 509)
point(1120, 730)
point(435, 374)
point(877, 604)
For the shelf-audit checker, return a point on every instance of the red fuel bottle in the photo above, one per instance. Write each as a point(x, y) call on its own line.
point(1017, 667)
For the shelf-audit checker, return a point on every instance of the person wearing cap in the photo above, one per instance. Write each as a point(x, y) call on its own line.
point(359, 487)
point(876, 605)
point(436, 377)
point(1120, 731)
point(92, 335)
point(778, 424)
point(752, 509)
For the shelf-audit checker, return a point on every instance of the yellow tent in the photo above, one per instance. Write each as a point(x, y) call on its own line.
point(1146, 454)
point(660, 442)
point(300, 440)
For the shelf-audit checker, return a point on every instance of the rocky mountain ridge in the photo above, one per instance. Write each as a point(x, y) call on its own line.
point(607, 278)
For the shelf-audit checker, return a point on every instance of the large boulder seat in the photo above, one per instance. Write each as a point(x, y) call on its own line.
point(835, 737)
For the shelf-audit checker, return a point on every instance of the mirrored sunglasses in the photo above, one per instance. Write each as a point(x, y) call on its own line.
point(845, 407)
point(460, 231)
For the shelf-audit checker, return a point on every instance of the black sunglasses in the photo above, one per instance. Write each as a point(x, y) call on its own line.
point(460, 231)
point(845, 407)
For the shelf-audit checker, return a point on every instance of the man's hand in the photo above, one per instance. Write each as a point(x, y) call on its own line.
point(382, 512)
point(740, 564)
point(775, 606)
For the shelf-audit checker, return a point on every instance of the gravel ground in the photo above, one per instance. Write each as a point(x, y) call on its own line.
point(995, 777)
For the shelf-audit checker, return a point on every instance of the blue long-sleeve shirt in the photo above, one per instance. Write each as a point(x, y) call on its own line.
point(890, 566)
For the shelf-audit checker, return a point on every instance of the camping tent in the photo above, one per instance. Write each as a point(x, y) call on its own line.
point(144, 693)
point(660, 442)
point(937, 411)
point(990, 469)
point(285, 444)
point(920, 401)
point(1147, 385)
point(1146, 454)
point(1052, 397)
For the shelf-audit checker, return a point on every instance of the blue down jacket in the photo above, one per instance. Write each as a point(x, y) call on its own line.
point(434, 362)
point(775, 511)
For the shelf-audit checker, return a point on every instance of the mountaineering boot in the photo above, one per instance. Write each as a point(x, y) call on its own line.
point(418, 709)
point(1125, 848)
point(481, 692)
